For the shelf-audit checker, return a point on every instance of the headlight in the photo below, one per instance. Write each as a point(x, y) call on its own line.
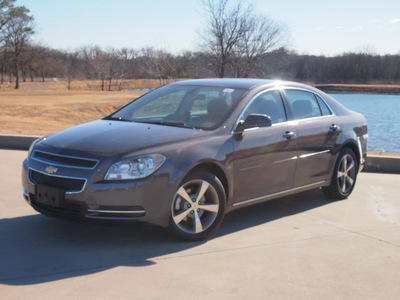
point(135, 168)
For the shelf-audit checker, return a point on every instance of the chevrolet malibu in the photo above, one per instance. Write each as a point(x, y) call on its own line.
point(185, 154)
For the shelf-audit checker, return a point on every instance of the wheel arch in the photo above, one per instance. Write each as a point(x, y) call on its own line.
point(343, 178)
point(216, 170)
point(354, 147)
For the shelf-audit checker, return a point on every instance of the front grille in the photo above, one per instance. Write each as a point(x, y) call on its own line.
point(65, 183)
point(70, 161)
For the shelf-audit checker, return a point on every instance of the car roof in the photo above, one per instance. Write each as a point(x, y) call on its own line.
point(245, 83)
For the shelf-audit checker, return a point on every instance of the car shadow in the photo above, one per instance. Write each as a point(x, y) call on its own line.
point(265, 212)
point(36, 249)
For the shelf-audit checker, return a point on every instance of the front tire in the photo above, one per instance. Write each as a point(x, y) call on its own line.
point(344, 176)
point(198, 206)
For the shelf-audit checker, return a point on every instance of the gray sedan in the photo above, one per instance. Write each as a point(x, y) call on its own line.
point(185, 154)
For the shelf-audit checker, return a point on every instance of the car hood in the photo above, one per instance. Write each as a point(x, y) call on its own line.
point(108, 138)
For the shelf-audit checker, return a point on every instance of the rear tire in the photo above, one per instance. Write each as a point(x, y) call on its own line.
point(344, 175)
point(198, 206)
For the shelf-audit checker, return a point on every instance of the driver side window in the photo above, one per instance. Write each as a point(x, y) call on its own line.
point(270, 104)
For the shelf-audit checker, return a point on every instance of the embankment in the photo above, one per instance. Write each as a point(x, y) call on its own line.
point(359, 88)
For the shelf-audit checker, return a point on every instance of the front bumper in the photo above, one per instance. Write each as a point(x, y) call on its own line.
point(74, 193)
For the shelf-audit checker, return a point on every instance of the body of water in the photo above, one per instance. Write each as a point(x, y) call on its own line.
point(383, 116)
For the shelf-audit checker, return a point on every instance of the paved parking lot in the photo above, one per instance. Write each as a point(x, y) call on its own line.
point(299, 247)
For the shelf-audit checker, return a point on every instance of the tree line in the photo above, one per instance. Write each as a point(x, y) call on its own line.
point(237, 42)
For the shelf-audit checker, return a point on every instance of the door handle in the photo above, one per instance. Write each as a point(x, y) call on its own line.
point(289, 135)
point(334, 128)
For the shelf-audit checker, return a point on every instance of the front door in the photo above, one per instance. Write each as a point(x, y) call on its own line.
point(264, 158)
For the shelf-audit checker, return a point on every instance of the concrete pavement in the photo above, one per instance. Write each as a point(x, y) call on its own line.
point(298, 247)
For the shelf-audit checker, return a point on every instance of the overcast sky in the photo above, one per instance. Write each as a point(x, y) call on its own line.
point(315, 26)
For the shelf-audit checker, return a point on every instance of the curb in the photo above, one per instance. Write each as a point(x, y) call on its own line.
point(375, 163)
point(16, 142)
point(382, 163)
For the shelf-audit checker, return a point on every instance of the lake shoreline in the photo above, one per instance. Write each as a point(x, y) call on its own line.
point(381, 112)
point(389, 89)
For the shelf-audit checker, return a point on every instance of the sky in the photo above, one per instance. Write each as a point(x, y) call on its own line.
point(314, 27)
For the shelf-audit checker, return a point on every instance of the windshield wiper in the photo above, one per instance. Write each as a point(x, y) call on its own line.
point(117, 119)
point(166, 123)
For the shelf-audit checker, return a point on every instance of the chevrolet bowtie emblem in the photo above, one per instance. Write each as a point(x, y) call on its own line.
point(51, 170)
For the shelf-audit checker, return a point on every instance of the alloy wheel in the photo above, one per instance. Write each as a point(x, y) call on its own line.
point(195, 207)
point(346, 173)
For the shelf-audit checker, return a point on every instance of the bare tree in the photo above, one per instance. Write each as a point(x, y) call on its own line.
point(261, 35)
point(224, 30)
point(4, 63)
point(106, 66)
point(125, 58)
point(5, 6)
point(158, 63)
point(110, 66)
point(43, 62)
point(236, 36)
point(86, 53)
point(70, 67)
point(27, 60)
point(17, 32)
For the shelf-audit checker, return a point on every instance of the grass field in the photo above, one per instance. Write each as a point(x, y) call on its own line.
point(40, 112)
point(39, 108)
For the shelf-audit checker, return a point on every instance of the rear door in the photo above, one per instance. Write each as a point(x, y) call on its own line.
point(316, 136)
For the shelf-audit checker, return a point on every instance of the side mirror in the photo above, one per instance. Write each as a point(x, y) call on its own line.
point(253, 121)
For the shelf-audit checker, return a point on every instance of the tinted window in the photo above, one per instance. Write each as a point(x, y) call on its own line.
point(160, 106)
point(304, 104)
point(324, 108)
point(203, 107)
point(269, 104)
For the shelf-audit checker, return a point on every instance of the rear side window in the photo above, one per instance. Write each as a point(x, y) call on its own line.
point(304, 104)
point(324, 108)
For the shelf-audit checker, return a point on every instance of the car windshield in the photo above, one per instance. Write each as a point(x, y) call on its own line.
point(201, 107)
